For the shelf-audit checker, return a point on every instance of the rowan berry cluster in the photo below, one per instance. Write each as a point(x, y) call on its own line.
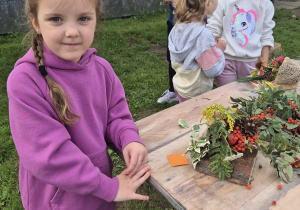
point(293, 105)
point(239, 140)
point(296, 163)
point(268, 112)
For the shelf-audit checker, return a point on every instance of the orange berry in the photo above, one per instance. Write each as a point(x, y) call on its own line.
point(280, 187)
point(237, 127)
point(249, 186)
point(273, 203)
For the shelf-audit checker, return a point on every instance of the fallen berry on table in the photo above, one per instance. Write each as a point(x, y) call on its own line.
point(280, 187)
point(273, 203)
point(260, 166)
point(249, 186)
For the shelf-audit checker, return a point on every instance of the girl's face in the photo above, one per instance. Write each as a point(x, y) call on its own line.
point(211, 6)
point(67, 27)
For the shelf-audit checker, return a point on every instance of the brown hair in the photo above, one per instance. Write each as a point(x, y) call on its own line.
point(57, 93)
point(185, 10)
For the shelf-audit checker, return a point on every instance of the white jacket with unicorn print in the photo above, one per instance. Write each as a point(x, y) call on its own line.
point(246, 25)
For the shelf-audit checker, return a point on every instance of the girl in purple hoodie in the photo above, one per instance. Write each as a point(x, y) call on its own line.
point(65, 105)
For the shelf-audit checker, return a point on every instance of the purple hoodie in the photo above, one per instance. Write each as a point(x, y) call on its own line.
point(68, 167)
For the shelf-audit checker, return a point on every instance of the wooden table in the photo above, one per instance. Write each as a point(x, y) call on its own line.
point(186, 188)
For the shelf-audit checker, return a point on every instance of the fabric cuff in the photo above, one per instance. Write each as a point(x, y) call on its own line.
point(128, 136)
point(108, 188)
point(268, 43)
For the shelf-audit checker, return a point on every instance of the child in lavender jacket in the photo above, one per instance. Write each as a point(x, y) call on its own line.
point(195, 56)
point(65, 105)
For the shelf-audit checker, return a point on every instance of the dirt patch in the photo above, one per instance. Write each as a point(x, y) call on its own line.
point(286, 4)
point(296, 12)
point(131, 41)
point(158, 50)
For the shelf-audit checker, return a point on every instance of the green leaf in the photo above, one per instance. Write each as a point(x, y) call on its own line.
point(258, 111)
point(282, 176)
point(198, 150)
point(194, 134)
point(202, 138)
point(183, 123)
point(291, 126)
point(286, 157)
point(195, 162)
point(202, 143)
point(288, 173)
point(196, 128)
point(194, 155)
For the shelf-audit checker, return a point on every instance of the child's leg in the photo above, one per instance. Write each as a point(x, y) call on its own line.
point(181, 99)
point(228, 75)
point(243, 69)
point(171, 70)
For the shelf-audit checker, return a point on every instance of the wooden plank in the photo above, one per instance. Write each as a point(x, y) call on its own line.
point(187, 188)
point(242, 168)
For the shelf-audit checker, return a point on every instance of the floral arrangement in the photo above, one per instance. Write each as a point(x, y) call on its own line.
point(266, 72)
point(269, 71)
point(271, 117)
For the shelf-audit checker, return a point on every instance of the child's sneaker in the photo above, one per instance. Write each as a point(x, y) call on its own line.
point(167, 96)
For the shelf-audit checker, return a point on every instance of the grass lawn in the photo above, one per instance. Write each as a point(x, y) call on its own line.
point(136, 49)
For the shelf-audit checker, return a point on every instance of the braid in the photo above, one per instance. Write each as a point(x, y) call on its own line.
point(57, 93)
point(38, 49)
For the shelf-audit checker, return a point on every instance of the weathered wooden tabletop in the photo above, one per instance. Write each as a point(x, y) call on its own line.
point(186, 188)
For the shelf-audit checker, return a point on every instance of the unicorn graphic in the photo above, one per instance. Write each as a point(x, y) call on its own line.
point(243, 25)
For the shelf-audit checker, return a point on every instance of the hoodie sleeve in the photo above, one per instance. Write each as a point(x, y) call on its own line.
point(210, 58)
point(121, 130)
point(215, 21)
point(267, 38)
point(44, 145)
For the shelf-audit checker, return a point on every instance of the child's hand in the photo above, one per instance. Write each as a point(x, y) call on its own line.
point(221, 44)
point(135, 156)
point(128, 185)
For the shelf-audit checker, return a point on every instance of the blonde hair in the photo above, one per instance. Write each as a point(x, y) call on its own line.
point(185, 10)
point(57, 93)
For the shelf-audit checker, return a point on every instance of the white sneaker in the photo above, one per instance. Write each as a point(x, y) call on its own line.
point(167, 96)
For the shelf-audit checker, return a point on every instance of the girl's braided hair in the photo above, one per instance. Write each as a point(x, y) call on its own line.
point(185, 10)
point(57, 93)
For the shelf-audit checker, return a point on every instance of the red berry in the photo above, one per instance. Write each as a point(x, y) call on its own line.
point(233, 141)
point(249, 186)
point(273, 203)
point(280, 187)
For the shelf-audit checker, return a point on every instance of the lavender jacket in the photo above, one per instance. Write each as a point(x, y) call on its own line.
point(68, 167)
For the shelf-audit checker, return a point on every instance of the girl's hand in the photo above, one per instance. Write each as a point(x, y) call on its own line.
point(135, 156)
point(128, 185)
point(221, 44)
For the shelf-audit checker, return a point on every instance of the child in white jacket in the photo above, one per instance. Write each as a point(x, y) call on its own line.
point(247, 26)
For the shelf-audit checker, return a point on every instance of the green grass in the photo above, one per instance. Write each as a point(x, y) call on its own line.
point(126, 44)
